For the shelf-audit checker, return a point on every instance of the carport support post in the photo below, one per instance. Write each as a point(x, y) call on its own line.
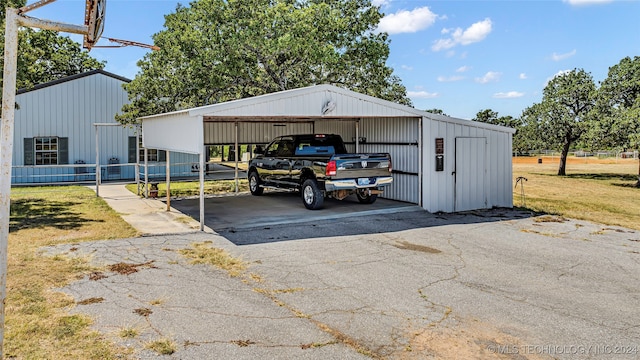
point(138, 132)
point(357, 136)
point(168, 174)
point(146, 174)
point(202, 189)
point(237, 148)
point(98, 180)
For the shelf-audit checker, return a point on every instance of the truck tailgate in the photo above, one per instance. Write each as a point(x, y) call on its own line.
point(352, 166)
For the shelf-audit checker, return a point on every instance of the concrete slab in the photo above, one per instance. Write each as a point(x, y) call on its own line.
point(147, 216)
point(244, 211)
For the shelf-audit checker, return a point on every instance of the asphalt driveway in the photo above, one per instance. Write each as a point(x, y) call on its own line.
point(408, 285)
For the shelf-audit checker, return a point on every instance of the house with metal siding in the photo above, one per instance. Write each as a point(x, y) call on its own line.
point(55, 133)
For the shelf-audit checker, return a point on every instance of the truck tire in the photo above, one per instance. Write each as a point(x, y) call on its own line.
point(254, 184)
point(311, 195)
point(365, 198)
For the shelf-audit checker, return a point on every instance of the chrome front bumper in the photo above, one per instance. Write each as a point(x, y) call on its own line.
point(352, 184)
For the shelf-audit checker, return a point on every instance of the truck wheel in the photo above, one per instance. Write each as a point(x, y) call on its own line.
point(254, 184)
point(311, 195)
point(365, 198)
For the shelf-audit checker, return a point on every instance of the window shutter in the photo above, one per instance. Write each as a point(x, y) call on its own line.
point(162, 155)
point(63, 151)
point(133, 142)
point(29, 152)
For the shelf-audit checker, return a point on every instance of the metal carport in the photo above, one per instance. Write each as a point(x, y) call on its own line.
point(466, 165)
point(367, 124)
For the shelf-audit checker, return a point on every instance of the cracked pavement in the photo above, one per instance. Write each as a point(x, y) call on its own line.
point(496, 284)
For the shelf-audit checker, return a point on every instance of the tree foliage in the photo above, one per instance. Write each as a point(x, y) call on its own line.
point(45, 55)
point(561, 118)
point(436, 111)
point(616, 116)
point(219, 50)
point(491, 117)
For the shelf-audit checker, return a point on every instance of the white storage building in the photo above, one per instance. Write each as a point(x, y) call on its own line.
point(440, 163)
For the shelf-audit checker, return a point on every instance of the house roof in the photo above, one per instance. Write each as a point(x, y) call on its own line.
point(71, 78)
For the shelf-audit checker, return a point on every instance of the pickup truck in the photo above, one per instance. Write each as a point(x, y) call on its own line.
point(319, 166)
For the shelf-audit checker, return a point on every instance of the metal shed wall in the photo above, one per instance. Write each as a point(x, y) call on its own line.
point(439, 187)
point(223, 133)
point(69, 109)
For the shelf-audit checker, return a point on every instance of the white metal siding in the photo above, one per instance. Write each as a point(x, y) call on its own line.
point(439, 186)
point(69, 109)
point(345, 128)
point(307, 102)
point(400, 138)
point(223, 133)
point(471, 186)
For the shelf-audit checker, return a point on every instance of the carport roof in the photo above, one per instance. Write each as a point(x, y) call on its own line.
point(300, 104)
point(310, 103)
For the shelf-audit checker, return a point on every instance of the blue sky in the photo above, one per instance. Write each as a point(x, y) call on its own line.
point(458, 56)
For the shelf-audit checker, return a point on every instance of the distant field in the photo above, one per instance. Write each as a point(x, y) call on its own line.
point(599, 190)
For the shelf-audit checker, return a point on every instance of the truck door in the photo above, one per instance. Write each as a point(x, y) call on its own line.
point(277, 161)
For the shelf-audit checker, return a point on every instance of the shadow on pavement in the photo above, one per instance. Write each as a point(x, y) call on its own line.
point(281, 216)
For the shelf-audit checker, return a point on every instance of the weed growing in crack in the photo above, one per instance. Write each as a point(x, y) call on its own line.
point(128, 333)
point(203, 253)
point(162, 346)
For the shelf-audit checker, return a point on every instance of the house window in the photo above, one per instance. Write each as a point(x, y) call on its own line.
point(153, 155)
point(46, 150)
point(49, 150)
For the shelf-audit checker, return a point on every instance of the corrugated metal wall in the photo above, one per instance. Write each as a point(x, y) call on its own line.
point(69, 109)
point(439, 186)
point(223, 133)
point(400, 138)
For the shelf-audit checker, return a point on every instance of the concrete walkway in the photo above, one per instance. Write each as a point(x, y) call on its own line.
point(148, 216)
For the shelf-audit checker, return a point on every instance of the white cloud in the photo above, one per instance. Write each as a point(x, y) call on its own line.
point(422, 95)
point(380, 2)
point(523, 76)
point(491, 76)
point(559, 73)
point(508, 95)
point(473, 34)
point(586, 2)
point(406, 67)
point(450, 78)
point(463, 69)
point(404, 21)
point(558, 57)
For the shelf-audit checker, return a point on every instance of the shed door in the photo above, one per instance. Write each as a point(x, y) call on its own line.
point(470, 173)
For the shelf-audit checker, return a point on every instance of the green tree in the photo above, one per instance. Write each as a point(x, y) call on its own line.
point(616, 116)
point(45, 55)
point(561, 118)
point(219, 50)
point(436, 111)
point(491, 117)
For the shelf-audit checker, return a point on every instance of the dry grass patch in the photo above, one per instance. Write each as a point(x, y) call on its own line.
point(595, 190)
point(162, 346)
point(37, 323)
point(204, 253)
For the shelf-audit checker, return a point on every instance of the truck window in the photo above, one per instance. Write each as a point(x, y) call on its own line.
point(280, 148)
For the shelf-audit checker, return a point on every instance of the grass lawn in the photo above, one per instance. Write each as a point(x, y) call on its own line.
point(598, 190)
point(192, 188)
point(37, 323)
